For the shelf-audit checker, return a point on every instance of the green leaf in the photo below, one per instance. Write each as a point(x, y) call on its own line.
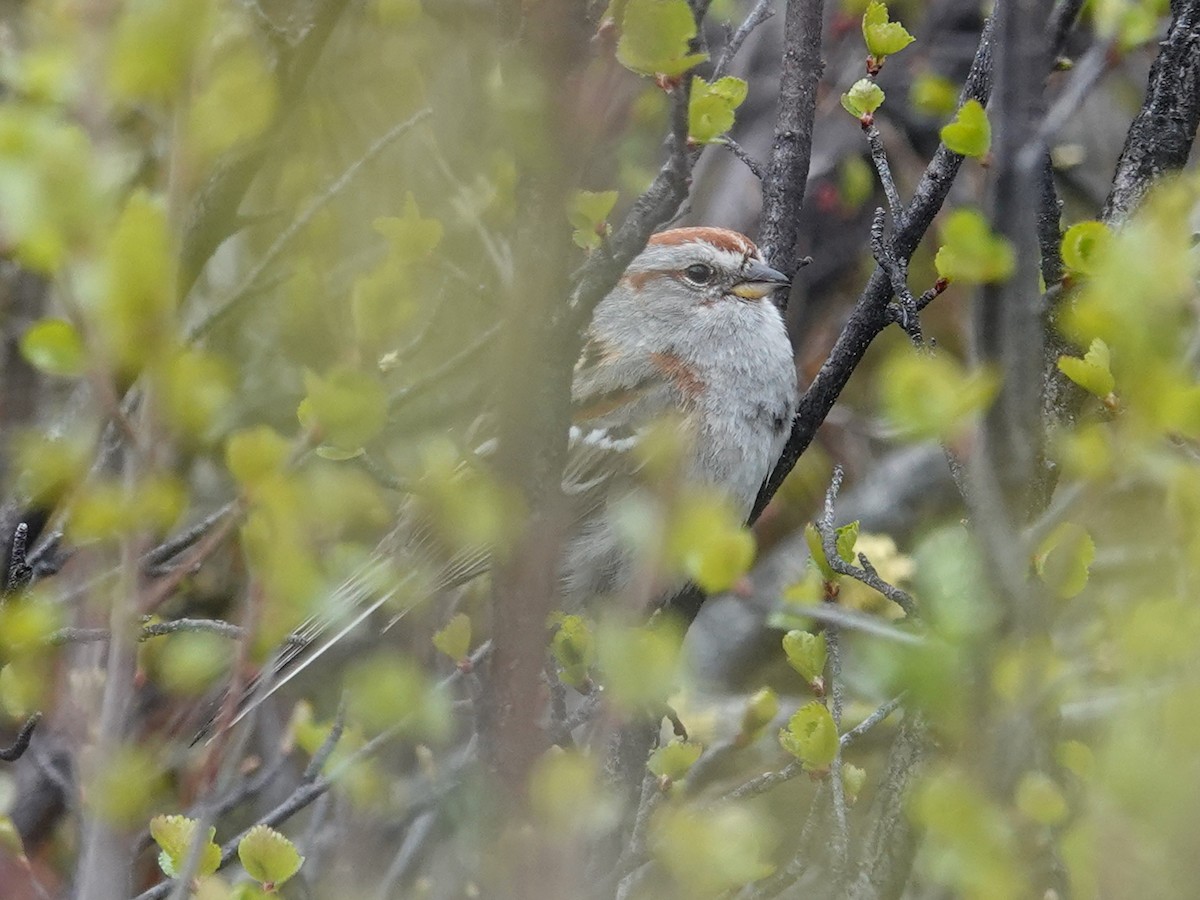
point(174, 835)
point(574, 650)
point(761, 710)
point(811, 736)
point(656, 36)
point(863, 98)
point(806, 653)
point(640, 665)
point(673, 760)
point(410, 236)
point(1041, 800)
point(928, 396)
point(970, 252)
point(1085, 245)
point(933, 95)
point(255, 454)
point(349, 406)
point(455, 639)
point(588, 215)
point(882, 37)
point(970, 134)
point(1093, 373)
point(54, 346)
point(847, 537)
point(1064, 559)
point(853, 779)
point(816, 550)
point(268, 857)
point(711, 107)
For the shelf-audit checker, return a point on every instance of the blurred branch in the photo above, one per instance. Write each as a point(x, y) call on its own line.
point(1160, 138)
point(787, 171)
point(168, 548)
point(18, 747)
point(869, 315)
point(245, 288)
point(213, 216)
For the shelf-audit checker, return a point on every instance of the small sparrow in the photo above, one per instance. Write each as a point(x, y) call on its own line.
point(689, 332)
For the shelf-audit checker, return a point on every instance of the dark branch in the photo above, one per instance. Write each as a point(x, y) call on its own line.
point(870, 316)
point(787, 172)
point(21, 744)
point(1160, 138)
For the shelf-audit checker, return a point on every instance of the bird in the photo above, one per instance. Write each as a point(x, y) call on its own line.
point(690, 334)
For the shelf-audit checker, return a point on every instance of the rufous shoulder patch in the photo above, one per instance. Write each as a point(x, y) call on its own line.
point(721, 238)
point(686, 380)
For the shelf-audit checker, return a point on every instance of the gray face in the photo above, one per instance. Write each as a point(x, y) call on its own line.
point(704, 273)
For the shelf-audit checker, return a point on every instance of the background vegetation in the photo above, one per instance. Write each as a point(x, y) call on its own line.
point(273, 270)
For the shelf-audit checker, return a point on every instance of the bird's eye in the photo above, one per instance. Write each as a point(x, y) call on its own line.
point(698, 274)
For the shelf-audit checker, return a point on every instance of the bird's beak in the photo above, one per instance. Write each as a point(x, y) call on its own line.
point(759, 280)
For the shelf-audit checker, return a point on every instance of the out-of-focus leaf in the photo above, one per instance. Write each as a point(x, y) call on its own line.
point(268, 857)
point(54, 346)
point(655, 37)
point(970, 252)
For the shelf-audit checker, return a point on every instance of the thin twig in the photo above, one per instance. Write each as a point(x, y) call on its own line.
point(170, 547)
point(18, 747)
point(289, 234)
point(871, 721)
point(740, 153)
point(761, 12)
point(879, 157)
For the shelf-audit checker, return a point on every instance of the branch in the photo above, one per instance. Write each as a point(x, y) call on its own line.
point(762, 12)
point(1160, 138)
point(787, 172)
point(20, 573)
point(21, 744)
point(249, 282)
point(869, 316)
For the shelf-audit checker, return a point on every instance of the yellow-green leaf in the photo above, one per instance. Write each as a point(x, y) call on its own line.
point(268, 857)
point(574, 650)
point(711, 107)
point(588, 214)
point(928, 396)
point(1085, 246)
point(348, 406)
point(933, 94)
point(882, 37)
point(816, 550)
point(1041, 800)
point(806, 653)
point(1065, 558)
point(54, 346)
point(970, 252)
point(174, 835)
point(411, 236)
point(455, 639)
point(761, 709)
point(863, 98)
point(255, 454)
point(970, 134)
point(853, 779)
point(1093, 373)
point(811, 736)
point(846, 538)
point(674, 759)
point(656, 36)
